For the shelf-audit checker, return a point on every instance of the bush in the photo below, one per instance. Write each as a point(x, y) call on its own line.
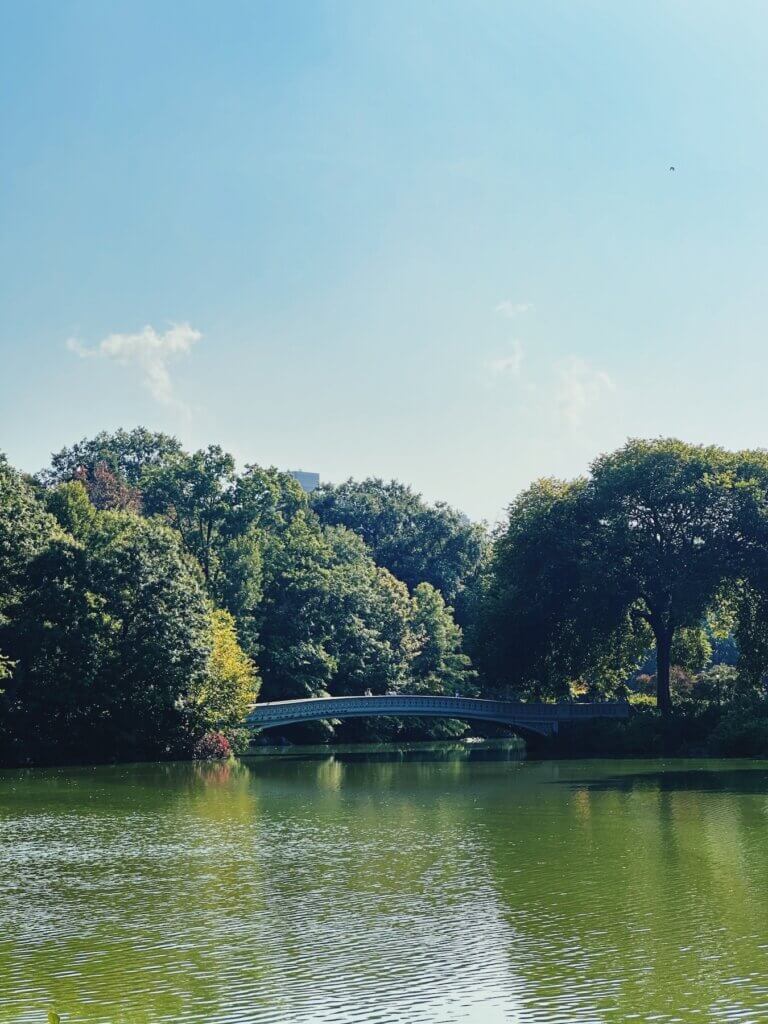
point(239, 740)
point(741, 735)
point(213, 746)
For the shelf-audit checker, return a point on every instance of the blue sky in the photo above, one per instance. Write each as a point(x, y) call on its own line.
point(438, 241)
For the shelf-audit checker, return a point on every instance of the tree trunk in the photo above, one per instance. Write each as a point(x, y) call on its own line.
point(663, 657)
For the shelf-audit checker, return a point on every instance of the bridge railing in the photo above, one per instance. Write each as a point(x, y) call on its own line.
point(394, 704)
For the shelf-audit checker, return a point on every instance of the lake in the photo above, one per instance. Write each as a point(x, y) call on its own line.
point(426, 885)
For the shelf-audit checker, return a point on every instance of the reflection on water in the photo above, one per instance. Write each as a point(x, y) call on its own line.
point(428, 885)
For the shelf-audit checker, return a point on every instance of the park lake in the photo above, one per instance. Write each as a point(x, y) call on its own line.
point(421, 884)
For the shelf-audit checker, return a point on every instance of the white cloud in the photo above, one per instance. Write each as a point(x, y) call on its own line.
point(151, 351)
point(509, 365)
point(512, 309)
point(579, 386)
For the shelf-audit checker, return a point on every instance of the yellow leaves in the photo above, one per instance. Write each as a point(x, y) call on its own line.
point(232, 683)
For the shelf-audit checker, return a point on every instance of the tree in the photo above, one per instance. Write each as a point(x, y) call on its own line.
point(417, 542)
point(107, 490)
point(546, 621)
point(293, 627)
point(224, 521)
point(125, 453)
point(669, 519)
point(109, 639)
point(368, 614)
point(439, 664)
point(583, 569)
point(223, 696)
point(25, 530)
point(194, 494)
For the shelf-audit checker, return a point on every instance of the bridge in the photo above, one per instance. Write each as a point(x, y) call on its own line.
point(544, 719)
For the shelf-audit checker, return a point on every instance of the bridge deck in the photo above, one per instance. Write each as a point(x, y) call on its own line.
point(536, 717)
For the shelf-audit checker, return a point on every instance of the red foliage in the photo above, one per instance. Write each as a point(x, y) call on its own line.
point(213, 746)
point(106, 490)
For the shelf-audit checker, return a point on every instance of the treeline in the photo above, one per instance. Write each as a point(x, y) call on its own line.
point(149, 595)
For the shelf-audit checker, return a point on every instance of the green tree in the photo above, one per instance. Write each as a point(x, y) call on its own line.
point(126, 453)
point(224, 521)
point(668, 516)
point(439, 664)
point(109, 639)
point(193, 493)
point(546, 621)
point(26, 529)
point(585, 569)
point(368, 616)
point(417, 542)
point(295, 650)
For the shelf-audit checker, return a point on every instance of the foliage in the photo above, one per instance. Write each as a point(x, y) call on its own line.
point(108, 639)
point(25, 529)
point(71, 506)
point(308, 601)
point(212, 746)
point(126, 453)
point(717, 684)
point(740, 735)
point(547, 619)
point(224, 694)
point(439, 666)
point(585, 571)
point(140, 585)
point(194, 494)
point(417, 542)
point(751, 631)
point(107, 490)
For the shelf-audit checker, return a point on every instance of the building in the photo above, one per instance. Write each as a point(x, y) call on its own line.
point(309, 481)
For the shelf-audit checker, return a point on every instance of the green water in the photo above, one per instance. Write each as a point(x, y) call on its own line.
point(425, 886)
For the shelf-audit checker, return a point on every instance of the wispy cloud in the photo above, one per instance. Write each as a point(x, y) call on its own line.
point(579, 386)
point(150, 351)
point(512, 309)
point(509, 365)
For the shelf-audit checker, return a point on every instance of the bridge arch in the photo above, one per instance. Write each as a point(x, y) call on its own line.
point(536, 717)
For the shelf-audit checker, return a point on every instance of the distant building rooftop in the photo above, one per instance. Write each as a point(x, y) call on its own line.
point(308, 481)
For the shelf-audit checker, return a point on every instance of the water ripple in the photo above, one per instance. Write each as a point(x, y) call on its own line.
point(336, 892)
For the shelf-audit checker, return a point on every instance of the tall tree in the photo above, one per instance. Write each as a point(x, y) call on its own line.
point(26, 529)
point(108, 641)
point(439, 664)
point(645, 543)
point(194, 494)
point(669, 518)
point(126, 453)
point(417, 542)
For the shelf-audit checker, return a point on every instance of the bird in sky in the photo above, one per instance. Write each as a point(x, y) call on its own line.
point(671, 168)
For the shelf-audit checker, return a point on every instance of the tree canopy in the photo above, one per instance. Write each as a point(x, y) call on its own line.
point(149, 595)
point(651, 542)
point(416, 541)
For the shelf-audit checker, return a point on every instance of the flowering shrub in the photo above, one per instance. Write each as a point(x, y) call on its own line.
point(213, 746)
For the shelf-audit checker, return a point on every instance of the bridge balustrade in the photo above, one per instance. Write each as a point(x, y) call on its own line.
point(539, 717)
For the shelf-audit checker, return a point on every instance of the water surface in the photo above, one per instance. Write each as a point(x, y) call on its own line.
point(428, 886)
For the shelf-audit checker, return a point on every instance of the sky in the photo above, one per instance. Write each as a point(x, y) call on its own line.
point(433, 240)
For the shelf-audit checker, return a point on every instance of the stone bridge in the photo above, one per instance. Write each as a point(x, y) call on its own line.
point(543, 719)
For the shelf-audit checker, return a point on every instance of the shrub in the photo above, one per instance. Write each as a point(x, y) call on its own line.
point(212, 746)
point(741, 735)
